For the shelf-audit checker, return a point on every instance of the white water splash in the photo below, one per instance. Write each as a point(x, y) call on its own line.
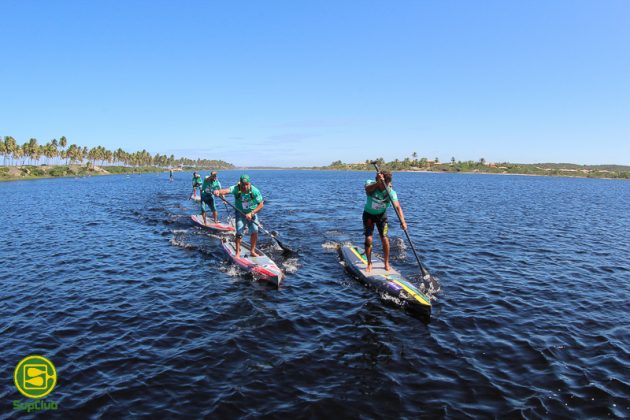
point(430, 286)
point(181, 243)
point(398, 249)
point(331, 245)
point(230, 269)
point(291, 265)
point(393, 299)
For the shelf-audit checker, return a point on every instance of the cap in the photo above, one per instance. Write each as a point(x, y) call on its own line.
point(245, 178)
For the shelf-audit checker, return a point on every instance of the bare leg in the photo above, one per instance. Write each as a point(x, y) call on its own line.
point(216, 216)
point(385, 241)
point(368, 252)
point(238, 246)
point(254, 238)
point(203, 215)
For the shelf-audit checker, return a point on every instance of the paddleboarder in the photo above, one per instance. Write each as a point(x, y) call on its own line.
point(248, 201)
point(375, 214)
point(196, 183)
point(210, 184)
point(170, 175)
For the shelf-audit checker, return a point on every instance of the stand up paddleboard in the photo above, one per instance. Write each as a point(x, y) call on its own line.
point(220, 227)
point(196, 198)
point(261, 267)
point(390, 282)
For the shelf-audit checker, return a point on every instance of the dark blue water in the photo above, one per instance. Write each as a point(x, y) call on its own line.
point(108, 277)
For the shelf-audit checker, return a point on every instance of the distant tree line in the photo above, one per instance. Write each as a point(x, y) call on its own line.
point(412, 163)
point(34, 153)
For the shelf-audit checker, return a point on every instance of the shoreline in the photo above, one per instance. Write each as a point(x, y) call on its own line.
point(434, 172)
point(31, 172)
point(17, 173)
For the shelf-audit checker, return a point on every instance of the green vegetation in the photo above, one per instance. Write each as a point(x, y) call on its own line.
point(482, 166)
point(57, 158)
point(33, 172)
point(34, 153)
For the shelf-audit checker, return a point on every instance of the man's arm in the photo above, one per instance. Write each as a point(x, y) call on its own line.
point(370, 188)
point(221, 191)
point(256, 210)
point(397, 207)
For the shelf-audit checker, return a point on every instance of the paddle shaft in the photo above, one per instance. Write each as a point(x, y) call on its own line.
point(259, 226)
point(424, 271)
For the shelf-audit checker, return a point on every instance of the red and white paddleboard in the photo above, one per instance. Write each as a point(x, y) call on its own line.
point(220, 227)
point(196, 198)
point(262, 267)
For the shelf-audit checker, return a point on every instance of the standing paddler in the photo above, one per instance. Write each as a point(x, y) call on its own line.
point(248, 202)
point(196, 183)
point(210, 184)
point(375, 213)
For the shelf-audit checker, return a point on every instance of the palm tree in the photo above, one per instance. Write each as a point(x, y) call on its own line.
point(482, 161)
point(71, 153)
point(3, 152)
point(452, 160)
point(18, 152)
point(26, 151)
point(10, 145)
point(37, 154)
point(53, 148)
point(83, 153)
point(63, 142)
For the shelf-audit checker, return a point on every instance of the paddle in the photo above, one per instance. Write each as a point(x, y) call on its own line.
point(273, 233)
point(424, 271)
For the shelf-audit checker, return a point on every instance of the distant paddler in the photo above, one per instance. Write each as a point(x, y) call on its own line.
point(210, 184)
point(196, 183)
point(375, 214)
point(170, 175)
point(248, 202)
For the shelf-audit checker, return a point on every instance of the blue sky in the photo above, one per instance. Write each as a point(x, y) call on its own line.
point(308, 82)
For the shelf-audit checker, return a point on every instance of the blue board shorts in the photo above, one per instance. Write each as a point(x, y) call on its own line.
point(207, 203)
point(241, 222)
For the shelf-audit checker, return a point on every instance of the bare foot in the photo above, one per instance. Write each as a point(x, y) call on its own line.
point(369, 267)
point(254, 253)
point(387, 267)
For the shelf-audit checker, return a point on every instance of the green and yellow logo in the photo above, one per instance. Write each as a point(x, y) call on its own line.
point(35, 376)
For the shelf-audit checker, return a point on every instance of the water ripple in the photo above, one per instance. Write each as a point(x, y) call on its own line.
point(141, 313)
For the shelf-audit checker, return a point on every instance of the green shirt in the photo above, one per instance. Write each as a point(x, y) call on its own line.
point(246, 202)
point(196, 181)
point(377, 201)
point(209, 186)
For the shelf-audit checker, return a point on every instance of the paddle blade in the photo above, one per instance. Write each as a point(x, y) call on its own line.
point(285, 249)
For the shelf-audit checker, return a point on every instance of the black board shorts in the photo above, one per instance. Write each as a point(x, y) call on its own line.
point(378, 220)
point(207, 203)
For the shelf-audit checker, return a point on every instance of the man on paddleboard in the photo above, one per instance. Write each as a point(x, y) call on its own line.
point(210, 184)
point(248, 201)
point(196, 183)
point(375, 214)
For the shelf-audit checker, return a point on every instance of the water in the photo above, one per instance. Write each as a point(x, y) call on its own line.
point(108, 277)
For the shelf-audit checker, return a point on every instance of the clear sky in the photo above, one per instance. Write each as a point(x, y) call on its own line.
point(309, 82)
